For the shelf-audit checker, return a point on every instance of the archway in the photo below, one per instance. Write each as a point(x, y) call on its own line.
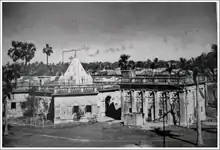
point(110, 110)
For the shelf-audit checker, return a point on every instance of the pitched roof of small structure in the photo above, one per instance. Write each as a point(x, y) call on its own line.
point(76, 73)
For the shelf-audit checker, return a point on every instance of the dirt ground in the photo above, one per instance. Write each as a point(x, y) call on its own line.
point(105, 135)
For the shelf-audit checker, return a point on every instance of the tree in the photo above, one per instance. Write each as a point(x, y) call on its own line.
point(148, 63)
point(153, 65)
point(192, 69)
point(16, 51)
point(169, 68)
point(211, 65)
point(197, 68)
point(28, 52)
point(123, 62)
point(8, 75)
point(131, 64)
point(140, 64)
point(183, 65)
point(31, 106)
point(22, 51)
point(48, 51)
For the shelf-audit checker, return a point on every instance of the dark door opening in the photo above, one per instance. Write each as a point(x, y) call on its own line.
point(110, 110)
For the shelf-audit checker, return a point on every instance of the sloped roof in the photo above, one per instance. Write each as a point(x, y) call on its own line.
point(76, 73)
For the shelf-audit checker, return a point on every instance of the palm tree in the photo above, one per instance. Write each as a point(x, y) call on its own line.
point(22, 51)
point(169, 68)
point(211, 65)
point(16, 51)
point(28, 52)
point(8, 74)
point(48, 51)
point(195, 66)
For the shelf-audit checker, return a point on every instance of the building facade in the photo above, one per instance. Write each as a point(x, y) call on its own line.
point(175, 106)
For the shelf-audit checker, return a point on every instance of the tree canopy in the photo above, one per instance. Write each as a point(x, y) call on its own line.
point(208, 61)
point(22, 51)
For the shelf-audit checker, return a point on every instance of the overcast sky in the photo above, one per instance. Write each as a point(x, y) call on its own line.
point(142, 30)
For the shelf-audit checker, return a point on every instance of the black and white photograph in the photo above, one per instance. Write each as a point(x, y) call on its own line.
point(109, 74)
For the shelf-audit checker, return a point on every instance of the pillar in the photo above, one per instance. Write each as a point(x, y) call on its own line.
point(134, 101)
point(182, 99)
point(55, 90)
point(153, 107)
point(122, 104)
point(69, 90)
point(126, 100)
point(169, 102)
point(156, 97)
point(145, 105)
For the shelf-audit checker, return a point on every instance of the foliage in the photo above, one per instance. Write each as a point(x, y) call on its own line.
point(48, 51)
point(22, 51)
point(39, 68)
point(154, 63)
point(9, 73)
point(30, 106)
point(123, 62)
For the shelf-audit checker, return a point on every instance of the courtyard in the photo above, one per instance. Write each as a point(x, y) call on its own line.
point(107, 134)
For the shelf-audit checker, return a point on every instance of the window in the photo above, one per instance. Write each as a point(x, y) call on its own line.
point(149, 114)
point(13, 105)
point(141, 110)
point(130, 110)
point(160, 112)
point(201, 109)
point(75, 109)
point(88, 108)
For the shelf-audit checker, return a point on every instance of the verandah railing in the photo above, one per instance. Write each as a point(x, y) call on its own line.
point(65, 87)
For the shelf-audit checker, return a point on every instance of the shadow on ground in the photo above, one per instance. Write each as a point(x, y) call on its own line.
point(167, 133)
point(3, 127)
point(5, 140)
point(210, 130)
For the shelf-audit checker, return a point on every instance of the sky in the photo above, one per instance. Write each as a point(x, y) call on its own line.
point(142, 30)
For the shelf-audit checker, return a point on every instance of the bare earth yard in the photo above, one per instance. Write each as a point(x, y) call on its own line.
point(106, 135)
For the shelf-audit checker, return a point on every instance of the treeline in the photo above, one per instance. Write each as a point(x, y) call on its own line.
point(56, 69)
point(22, 52)
point(52, 69)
